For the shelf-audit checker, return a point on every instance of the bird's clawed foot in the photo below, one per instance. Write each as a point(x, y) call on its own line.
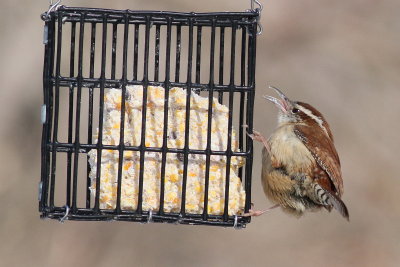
point(258, 212)
point(257, 136)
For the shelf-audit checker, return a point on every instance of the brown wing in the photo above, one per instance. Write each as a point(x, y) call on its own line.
point(324, 152)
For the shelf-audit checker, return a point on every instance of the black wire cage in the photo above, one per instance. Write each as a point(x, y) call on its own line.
point(90, 50)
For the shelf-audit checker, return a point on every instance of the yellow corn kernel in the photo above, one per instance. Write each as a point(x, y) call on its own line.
point(181, 100)
point(212, 194)
point(147, 144)
point(192, 174)
point(104, 198)
point(158, 93)
point(214, 168)
point(198, 188)
point(215, 207)
point(116, 126)
point(180, 171)
point(173, 178)
point(178, 142)
point(172, 197)
point(127, 165)
point(190, 207)
point(180, 114)
point(210, 209)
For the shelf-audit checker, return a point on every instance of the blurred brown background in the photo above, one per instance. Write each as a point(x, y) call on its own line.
point(342, 56)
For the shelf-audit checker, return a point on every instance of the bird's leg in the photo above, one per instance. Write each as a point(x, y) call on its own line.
point(259, 212)
point(257, 136)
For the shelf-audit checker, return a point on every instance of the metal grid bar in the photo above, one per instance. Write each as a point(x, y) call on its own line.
point(165, 121)
point(251, 67)
point(88, 82)
point(47, 120)
point(90, 113)
point(229, 146)
point(144, 114)
point(109, 215)
point(136, 52)
point(101, 112)
point(221, 61)
point(187, 118)
point(70, 112)
point(84, 148)
point(246, 21)
point(78, 116)
point(242, 94)
point(178, 53)
point(114, 50)
point(198, 54)
point(122, 123)
point(157, 54)
point(209, 122)
point(56, 110)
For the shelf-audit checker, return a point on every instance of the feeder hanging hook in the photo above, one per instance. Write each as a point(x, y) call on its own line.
point(258, 10)
point(53, 7)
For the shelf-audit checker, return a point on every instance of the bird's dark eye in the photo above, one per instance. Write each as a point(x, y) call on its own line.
point(295, 110)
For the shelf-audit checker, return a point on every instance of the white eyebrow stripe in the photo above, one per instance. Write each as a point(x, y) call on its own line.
point(312, 116)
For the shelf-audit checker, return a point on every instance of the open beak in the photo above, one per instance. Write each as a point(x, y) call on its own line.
point(284, 104)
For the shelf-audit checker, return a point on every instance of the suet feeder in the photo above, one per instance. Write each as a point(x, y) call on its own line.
point(102, 64)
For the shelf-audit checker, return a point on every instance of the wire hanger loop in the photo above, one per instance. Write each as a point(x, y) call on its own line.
point(53, 7)
point(257, 10)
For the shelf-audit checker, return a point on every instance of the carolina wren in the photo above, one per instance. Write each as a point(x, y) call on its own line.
point(300, 165)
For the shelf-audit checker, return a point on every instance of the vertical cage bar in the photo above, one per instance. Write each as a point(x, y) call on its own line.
point(101, 113)
point(78, 115)
point(135, 52)
point(198, 54)
point(187, 118)
point(178, 52)
point(144, 113)
point(166, 103)
point(56, 110)
point(114, 50)
point(221, 62)
point(47, 101)
point(249, 111)
point(92, 49)
point(122, 123)
point(70, 111)
point(242, 94)
point(90, 115)
point(229, 143)
point(209, 120)
point(157, 54)
point(69, 154)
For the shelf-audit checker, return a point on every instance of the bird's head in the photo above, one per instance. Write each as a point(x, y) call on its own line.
point(295, 112)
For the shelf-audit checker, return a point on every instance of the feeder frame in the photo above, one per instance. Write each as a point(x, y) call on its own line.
point(54, 81)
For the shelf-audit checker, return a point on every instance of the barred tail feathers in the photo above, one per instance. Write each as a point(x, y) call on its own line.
point(327, 198)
